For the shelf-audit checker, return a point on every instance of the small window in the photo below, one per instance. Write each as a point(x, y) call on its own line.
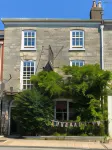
point(29, 39)
point(28, 70)
point(76, 39)
point(64, 109)
point(79, 63)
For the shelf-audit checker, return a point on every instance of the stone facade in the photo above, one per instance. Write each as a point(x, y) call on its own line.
point(56, 34)
point(1, 54)
point(58, 38)
point(108, 47)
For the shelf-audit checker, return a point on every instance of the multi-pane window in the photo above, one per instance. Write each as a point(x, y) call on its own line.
point(64, 110)
point(61, 110)
point(28, 70)
point(77, 39)
point(29, 39)
point(77, 63)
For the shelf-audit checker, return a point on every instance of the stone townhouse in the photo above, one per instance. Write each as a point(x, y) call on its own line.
point(31, 45)
point(1, 56)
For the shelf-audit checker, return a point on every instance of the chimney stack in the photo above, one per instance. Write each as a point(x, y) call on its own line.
point(96, 11)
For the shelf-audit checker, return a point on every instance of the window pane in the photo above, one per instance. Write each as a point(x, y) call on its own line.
point(77, 34)
point(81, 64)
point(33, 34)
point(32, 68)
point(33, 42)
point(73, 34)
point(71, 107)
point(29, 34)
point(24, 86)
point(28, 63)
point(32, 63)
point(28, 86)
point(29, 41)
point(24, 81)
point(28, 82)
point(77, 42)
point(81, 34)
point(25, 34)
point(24, 73)
point(81, 42)
point(61, 106)
point(25, 41)
point(24, 69)
point(77, 63)
point(25, 63)
point(32, 72)
point(73, 41)
point(28, 68)
point(73, 63)
point(28, 72)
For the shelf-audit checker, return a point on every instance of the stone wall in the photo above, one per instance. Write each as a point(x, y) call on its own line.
point(108, 49)
point(58, 38)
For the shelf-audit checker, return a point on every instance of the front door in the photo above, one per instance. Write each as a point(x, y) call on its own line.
point(13, 123)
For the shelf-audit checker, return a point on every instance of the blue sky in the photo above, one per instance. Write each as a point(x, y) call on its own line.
point(78, 9)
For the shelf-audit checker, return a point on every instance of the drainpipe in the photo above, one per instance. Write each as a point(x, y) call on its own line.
point(101, 47)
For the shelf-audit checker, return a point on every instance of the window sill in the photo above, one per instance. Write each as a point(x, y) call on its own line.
point(28, 49)
point(77, 49)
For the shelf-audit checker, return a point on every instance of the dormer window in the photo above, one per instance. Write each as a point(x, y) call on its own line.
point(28, 40)
point(76, 40)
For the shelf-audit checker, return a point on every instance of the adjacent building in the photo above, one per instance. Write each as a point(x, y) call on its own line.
point(1, 56)
point(31, 45)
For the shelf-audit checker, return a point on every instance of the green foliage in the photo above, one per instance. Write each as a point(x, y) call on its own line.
point(50, 83)
point(33, 111)
point(78, 119)
point(95, 109)
point(87, 86)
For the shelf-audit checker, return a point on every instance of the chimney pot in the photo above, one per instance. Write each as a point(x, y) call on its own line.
point(99, 4)
point(94, 3)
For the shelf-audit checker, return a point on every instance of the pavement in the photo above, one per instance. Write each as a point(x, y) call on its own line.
point(72, 144)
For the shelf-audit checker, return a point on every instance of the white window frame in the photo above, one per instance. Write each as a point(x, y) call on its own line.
point(55, 112)
point(79, 61)
point(21, 72)
point(23, 47)
point(72, 47)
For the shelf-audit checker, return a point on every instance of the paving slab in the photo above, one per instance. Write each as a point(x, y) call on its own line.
point(54, 144)
point(109, 145)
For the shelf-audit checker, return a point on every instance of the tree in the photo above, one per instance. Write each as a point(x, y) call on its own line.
point(87, 86)
point(33, 111)
point(48, 83)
